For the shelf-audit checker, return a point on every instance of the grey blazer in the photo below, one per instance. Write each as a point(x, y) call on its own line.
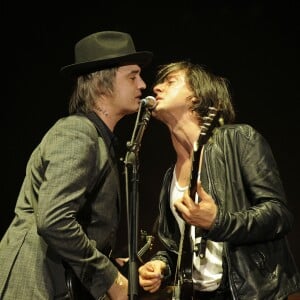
point(67, 210)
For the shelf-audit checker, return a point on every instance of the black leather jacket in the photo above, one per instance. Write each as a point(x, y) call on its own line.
point(240, 173)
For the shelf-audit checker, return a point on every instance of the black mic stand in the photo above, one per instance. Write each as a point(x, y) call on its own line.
point(132, 199)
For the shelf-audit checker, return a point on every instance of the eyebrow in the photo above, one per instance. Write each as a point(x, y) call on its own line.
point(134, 71)
point(127, 72)
point(173, 75)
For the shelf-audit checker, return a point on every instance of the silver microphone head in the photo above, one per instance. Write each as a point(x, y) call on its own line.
point(149, 102)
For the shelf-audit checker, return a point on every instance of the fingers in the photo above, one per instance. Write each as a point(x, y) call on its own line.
point(200, 189)
point(149, 272)
point(201, 213)
point(184, 205)
point(150, 276)
point(153, 287)
point(202, 194)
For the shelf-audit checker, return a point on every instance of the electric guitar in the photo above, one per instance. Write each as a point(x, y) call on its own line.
point(77, 291)
point(183, 283)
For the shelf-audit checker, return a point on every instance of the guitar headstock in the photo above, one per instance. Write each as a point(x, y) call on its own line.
point(210, 121)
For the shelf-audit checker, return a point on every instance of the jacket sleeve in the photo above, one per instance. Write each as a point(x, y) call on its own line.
point(70, 154)
point(252, 204)
point(167, 258)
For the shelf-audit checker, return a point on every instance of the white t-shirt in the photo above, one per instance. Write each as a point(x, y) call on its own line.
point(207, 271)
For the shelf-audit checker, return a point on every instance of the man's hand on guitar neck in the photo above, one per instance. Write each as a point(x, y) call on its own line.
point(151, 275)
point(201, 214)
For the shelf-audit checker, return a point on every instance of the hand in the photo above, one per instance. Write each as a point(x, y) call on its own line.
point(202, 214)
point(150, 275)
point(119, 289)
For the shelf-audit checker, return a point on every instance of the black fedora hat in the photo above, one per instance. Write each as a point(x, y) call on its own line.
point(103, 50)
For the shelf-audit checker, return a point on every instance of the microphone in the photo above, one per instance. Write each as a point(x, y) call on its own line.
point(149, 102)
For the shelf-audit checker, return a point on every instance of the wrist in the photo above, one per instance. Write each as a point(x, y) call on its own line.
point(119, 280)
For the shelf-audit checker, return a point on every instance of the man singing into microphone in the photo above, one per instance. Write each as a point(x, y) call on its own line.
point(238, 219)
point(68, 209)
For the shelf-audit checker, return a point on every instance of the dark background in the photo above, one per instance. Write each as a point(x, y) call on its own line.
point(253, 44)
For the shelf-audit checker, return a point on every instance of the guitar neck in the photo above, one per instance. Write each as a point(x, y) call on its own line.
point(184, 270)
point(195, 173)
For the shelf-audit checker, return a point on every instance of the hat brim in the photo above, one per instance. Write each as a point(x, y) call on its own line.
point(142, 59)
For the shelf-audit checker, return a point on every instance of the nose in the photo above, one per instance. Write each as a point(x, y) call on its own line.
point(142, 84)
point(157, 88)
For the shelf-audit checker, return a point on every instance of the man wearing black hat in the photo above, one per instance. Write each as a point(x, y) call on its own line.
point(68, 208)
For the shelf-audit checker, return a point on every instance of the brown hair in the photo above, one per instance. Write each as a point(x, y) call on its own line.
point(89, 87)
point(209, 89)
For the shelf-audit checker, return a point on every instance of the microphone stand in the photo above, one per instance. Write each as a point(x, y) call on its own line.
point(132, 198)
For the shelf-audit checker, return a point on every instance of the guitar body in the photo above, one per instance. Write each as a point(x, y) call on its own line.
point(186, 286)
point(185, 289)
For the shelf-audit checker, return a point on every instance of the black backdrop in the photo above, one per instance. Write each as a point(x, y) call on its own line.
point(253, 44)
